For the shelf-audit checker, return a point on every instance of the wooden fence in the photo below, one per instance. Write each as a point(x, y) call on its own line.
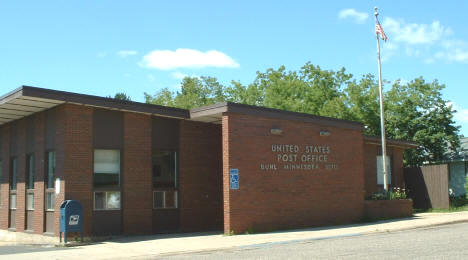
point(428, 186)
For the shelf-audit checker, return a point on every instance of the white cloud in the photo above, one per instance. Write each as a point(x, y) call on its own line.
point(388, 50)
point(452, 51)
point(178, 75)
point(461, 115)
point(358, 17)
point(412, 33)
point(187, 58)
point(126, 53)
point(430, 42)
point(454, 55)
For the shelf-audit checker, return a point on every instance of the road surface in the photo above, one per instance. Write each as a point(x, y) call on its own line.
point(440, 242)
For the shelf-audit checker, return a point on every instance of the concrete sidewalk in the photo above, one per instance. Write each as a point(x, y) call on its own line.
point(158, 245)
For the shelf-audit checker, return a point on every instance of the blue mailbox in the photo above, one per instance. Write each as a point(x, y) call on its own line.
point(71, 218)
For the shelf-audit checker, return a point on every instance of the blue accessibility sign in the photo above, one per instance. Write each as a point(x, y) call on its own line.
point(234, 179)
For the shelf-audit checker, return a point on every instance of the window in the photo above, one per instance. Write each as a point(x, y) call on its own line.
point(50, 170)
point(30, 172)
point(13, 174)
point(50, 201)
point(164, 169)
point(30, 201)
point(106, 200)
point(13, 201)
point(380, 177)
point(107, 177)
point(50, 182)
point(106, 168)
point(164, 199)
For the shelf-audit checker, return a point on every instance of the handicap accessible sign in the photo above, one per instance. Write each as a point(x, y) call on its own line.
point(234, 179)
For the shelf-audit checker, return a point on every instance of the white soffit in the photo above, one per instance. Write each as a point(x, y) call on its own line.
point(17, 106)
point(214, 119)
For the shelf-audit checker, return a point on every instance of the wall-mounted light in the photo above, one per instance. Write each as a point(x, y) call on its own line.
point(324, 133)
point(276, 131)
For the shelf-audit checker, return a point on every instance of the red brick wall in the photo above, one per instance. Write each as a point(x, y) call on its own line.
point(21, 168)
point(370, 165)
point(5, 186)
point(78, 161)
point(200, 177)
point(137, 179)
point(270, 200)
point(39, 154)
point(60, 137)
point(385, 209)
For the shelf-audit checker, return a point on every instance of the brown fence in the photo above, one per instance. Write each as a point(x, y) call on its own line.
point(428, 186)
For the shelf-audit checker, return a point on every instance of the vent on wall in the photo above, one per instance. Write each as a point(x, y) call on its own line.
point(324, 133)
point(276, 131)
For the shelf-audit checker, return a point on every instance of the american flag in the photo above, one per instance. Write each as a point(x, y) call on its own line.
point(379, 30)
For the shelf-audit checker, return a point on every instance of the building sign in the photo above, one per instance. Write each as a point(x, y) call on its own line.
point(299, 157)
point(234, 179)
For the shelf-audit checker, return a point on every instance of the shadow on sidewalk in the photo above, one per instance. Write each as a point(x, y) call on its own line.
point(131, 239)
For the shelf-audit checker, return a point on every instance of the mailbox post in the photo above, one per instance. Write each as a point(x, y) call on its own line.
point(71, 218)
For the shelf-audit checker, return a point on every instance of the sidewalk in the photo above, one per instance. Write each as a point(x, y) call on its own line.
point(152, 246)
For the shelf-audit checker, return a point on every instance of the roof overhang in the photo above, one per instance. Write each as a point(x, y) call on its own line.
point(375, 140)
point(17, 104)
point(214, 113)
point(26, 101)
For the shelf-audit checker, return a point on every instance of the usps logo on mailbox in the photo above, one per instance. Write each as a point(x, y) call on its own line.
point(234, 179)
point(74, 219)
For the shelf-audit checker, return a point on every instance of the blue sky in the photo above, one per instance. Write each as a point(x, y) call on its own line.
point(103, 47)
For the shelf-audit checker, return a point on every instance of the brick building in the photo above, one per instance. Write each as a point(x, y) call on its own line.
point(140, 169)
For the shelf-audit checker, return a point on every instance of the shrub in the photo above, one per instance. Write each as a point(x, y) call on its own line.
point(458, 201)
point(394, 194)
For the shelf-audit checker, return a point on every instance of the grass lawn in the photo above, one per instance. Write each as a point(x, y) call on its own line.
point(451, 209)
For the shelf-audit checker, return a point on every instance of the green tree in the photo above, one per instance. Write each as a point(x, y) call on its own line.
point(309, 90)
point(163, 97)
point(416, 111)
point(122, 96)
point(194, 92)
point(359, 102)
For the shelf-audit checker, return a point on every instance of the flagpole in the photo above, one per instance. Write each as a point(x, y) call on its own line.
point(382, 116)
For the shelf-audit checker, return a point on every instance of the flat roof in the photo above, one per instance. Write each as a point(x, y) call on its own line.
point(213, 114)
point(26, 100)
point(376, 140)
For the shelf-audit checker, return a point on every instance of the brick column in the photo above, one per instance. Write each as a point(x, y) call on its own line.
point(78, 161)
point(21, 171)
point(39, 168)
point(5, 186)
point(60, 127)
point(226, 190)
point(136, 174)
